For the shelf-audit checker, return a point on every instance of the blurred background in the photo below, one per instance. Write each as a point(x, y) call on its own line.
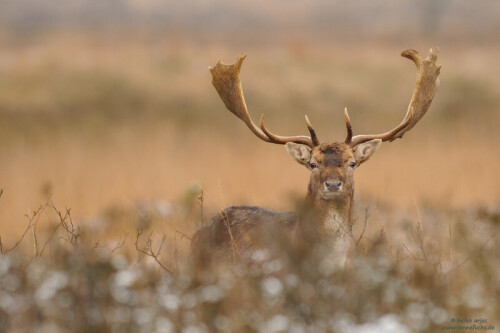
point(108, 105)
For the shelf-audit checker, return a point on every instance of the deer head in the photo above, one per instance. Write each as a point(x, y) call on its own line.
point(332, 168)
point(332, 164)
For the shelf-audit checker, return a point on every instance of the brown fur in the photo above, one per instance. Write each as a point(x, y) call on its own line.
point(238, 230)
point(332, 159)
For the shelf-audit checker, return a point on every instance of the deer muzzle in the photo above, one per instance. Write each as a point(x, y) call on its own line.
point(332, 187)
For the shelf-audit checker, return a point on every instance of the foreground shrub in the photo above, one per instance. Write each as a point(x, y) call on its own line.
point(80, 288)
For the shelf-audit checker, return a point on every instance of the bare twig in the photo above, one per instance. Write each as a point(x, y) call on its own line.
point(420, 237)
point(148, 249)
point(367, 215)
point(398, 251)
point(200, 202)
point(411, 253)
point(120, 244)
point(420, 232)
point(32, 221)
point(234, 247)
point(183, 234)
point(35, 240)
point(481, 247)
point(66, 221)
point(54, 231)
point(176, 254)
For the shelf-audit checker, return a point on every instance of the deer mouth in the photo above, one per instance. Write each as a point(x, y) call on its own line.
point(329, 195)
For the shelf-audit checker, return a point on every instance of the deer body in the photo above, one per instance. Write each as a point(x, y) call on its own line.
point(237, 231)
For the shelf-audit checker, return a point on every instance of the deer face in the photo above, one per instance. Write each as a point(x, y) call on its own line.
point(332, 166)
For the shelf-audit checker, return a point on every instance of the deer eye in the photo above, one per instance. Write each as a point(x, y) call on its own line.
point(352, 164)
point(313, 165)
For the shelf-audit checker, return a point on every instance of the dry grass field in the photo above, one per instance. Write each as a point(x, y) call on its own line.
point(97, 125)
point(130, 135)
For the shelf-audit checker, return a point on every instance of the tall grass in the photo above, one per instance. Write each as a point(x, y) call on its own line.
point(428, 272)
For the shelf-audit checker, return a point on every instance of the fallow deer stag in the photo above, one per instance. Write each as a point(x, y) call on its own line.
point(331, 187)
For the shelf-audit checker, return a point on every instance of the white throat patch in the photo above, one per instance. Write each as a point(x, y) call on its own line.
point(338, 229)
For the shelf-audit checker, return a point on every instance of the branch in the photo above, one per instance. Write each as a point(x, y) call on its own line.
point(148, 249)
point(32, 221)
point(481, 247)
point(201, 198)
point(66, 221)
point(120, 244)
point(411, 253)
point(234, 246)
point(183, 234)
point(367, 215)
point(420, 233)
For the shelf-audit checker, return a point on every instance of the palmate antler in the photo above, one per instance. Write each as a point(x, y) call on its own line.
point(226, 80)
point(425, 89)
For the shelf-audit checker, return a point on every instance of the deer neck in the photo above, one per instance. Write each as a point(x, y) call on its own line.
point(337, 209)
point(334, 219)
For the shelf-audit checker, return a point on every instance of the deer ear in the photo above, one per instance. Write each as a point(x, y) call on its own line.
point(301, 153)
point(363, 151)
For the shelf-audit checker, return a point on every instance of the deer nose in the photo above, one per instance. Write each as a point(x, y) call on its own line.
point(333, 185)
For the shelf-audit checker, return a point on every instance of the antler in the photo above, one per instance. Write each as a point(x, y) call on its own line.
point(425, 88)
point(226, 80)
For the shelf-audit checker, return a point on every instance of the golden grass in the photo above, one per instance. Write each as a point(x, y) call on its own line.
point(103, 124)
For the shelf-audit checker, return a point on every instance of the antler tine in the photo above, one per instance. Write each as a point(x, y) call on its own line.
point(348, 138)
point(314, 137)
point(226, 80)
point(305, 140)
point(423, 94)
